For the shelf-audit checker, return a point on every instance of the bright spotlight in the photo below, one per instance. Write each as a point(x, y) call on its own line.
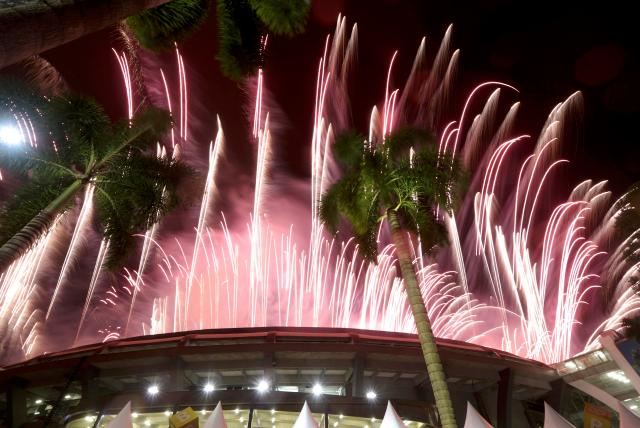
point(317, 389)
point(371, 395)
point(167, 413)
point(134, 414)
point(38, 401)
point(335, 424)
point(153, 390)
point(208, 388)
point(10, 135)
point(147, 423)
point(263, 386)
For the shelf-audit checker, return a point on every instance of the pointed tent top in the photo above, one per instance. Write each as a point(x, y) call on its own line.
point(122, 419)
point(552, 419)
point(474, 419)
point(391, 418)
point(305, 418)
point(216, 419)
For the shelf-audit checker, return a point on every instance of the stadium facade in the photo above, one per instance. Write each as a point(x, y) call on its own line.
point(262, 376)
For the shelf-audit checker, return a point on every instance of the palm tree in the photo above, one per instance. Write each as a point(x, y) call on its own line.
point(388, 181)
point(78, 146)
point(242, 28)
point(157, 29)
point(34, 26)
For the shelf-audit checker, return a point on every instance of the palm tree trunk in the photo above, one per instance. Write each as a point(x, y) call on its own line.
point(29, 27)
point(425, 334)
point(22, 241)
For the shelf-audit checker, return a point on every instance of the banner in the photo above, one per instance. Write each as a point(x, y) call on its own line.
point(596, 416)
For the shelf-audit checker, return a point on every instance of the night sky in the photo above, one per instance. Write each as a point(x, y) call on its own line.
point(547, 51)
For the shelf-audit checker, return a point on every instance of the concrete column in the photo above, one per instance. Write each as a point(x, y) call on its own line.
point(16, 402)
point(89, 384)
point(357, 379)
point(178, 380)
point(505, 398)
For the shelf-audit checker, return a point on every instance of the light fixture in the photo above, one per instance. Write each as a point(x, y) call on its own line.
point(36, 412)
point(366, 426)
point(273, 420)
point(39, 401)
point(273, 411)
point(167, 413)
point(237, 410)
point(263, 386)
point(371, 395)
point(147, 422)
point(10, 135)
point(208, 388)
point(619, 376)
point(67, 397)
point(153, 390)
point(335, 424)
point(341, 416)
point(88, 418)
point(241, 419)
point(373, 419)
point(317, 389)
point(134, 414)
point(203, 411)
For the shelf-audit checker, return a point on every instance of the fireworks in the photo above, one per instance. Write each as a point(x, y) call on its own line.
point(519, 267)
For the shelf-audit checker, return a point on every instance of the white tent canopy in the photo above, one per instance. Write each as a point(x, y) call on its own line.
point(305, 418)
point(474, 419)
point(391, 418)
point(552, 419)
point(122, 419)
point(216, 419)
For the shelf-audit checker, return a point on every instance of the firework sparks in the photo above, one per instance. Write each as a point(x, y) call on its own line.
point(268, 272)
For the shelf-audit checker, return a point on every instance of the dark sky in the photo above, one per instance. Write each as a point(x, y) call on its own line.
point(548, 51)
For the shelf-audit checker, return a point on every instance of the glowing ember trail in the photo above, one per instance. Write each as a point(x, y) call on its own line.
point(522, 264)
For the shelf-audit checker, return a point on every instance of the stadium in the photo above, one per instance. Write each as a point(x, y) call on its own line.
point(263, 376)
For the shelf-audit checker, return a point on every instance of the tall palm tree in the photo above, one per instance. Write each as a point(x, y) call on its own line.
point(387, 181)
point(34, 26)
point(78, 146)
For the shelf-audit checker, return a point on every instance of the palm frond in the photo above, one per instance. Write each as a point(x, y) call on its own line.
point(401, 141)
point(132, 194)
point(157, 29)
point(287, 17)
point(348, 148)
point(240, 35)
point(147, 128)
point(382, 177)
point(27, 202)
